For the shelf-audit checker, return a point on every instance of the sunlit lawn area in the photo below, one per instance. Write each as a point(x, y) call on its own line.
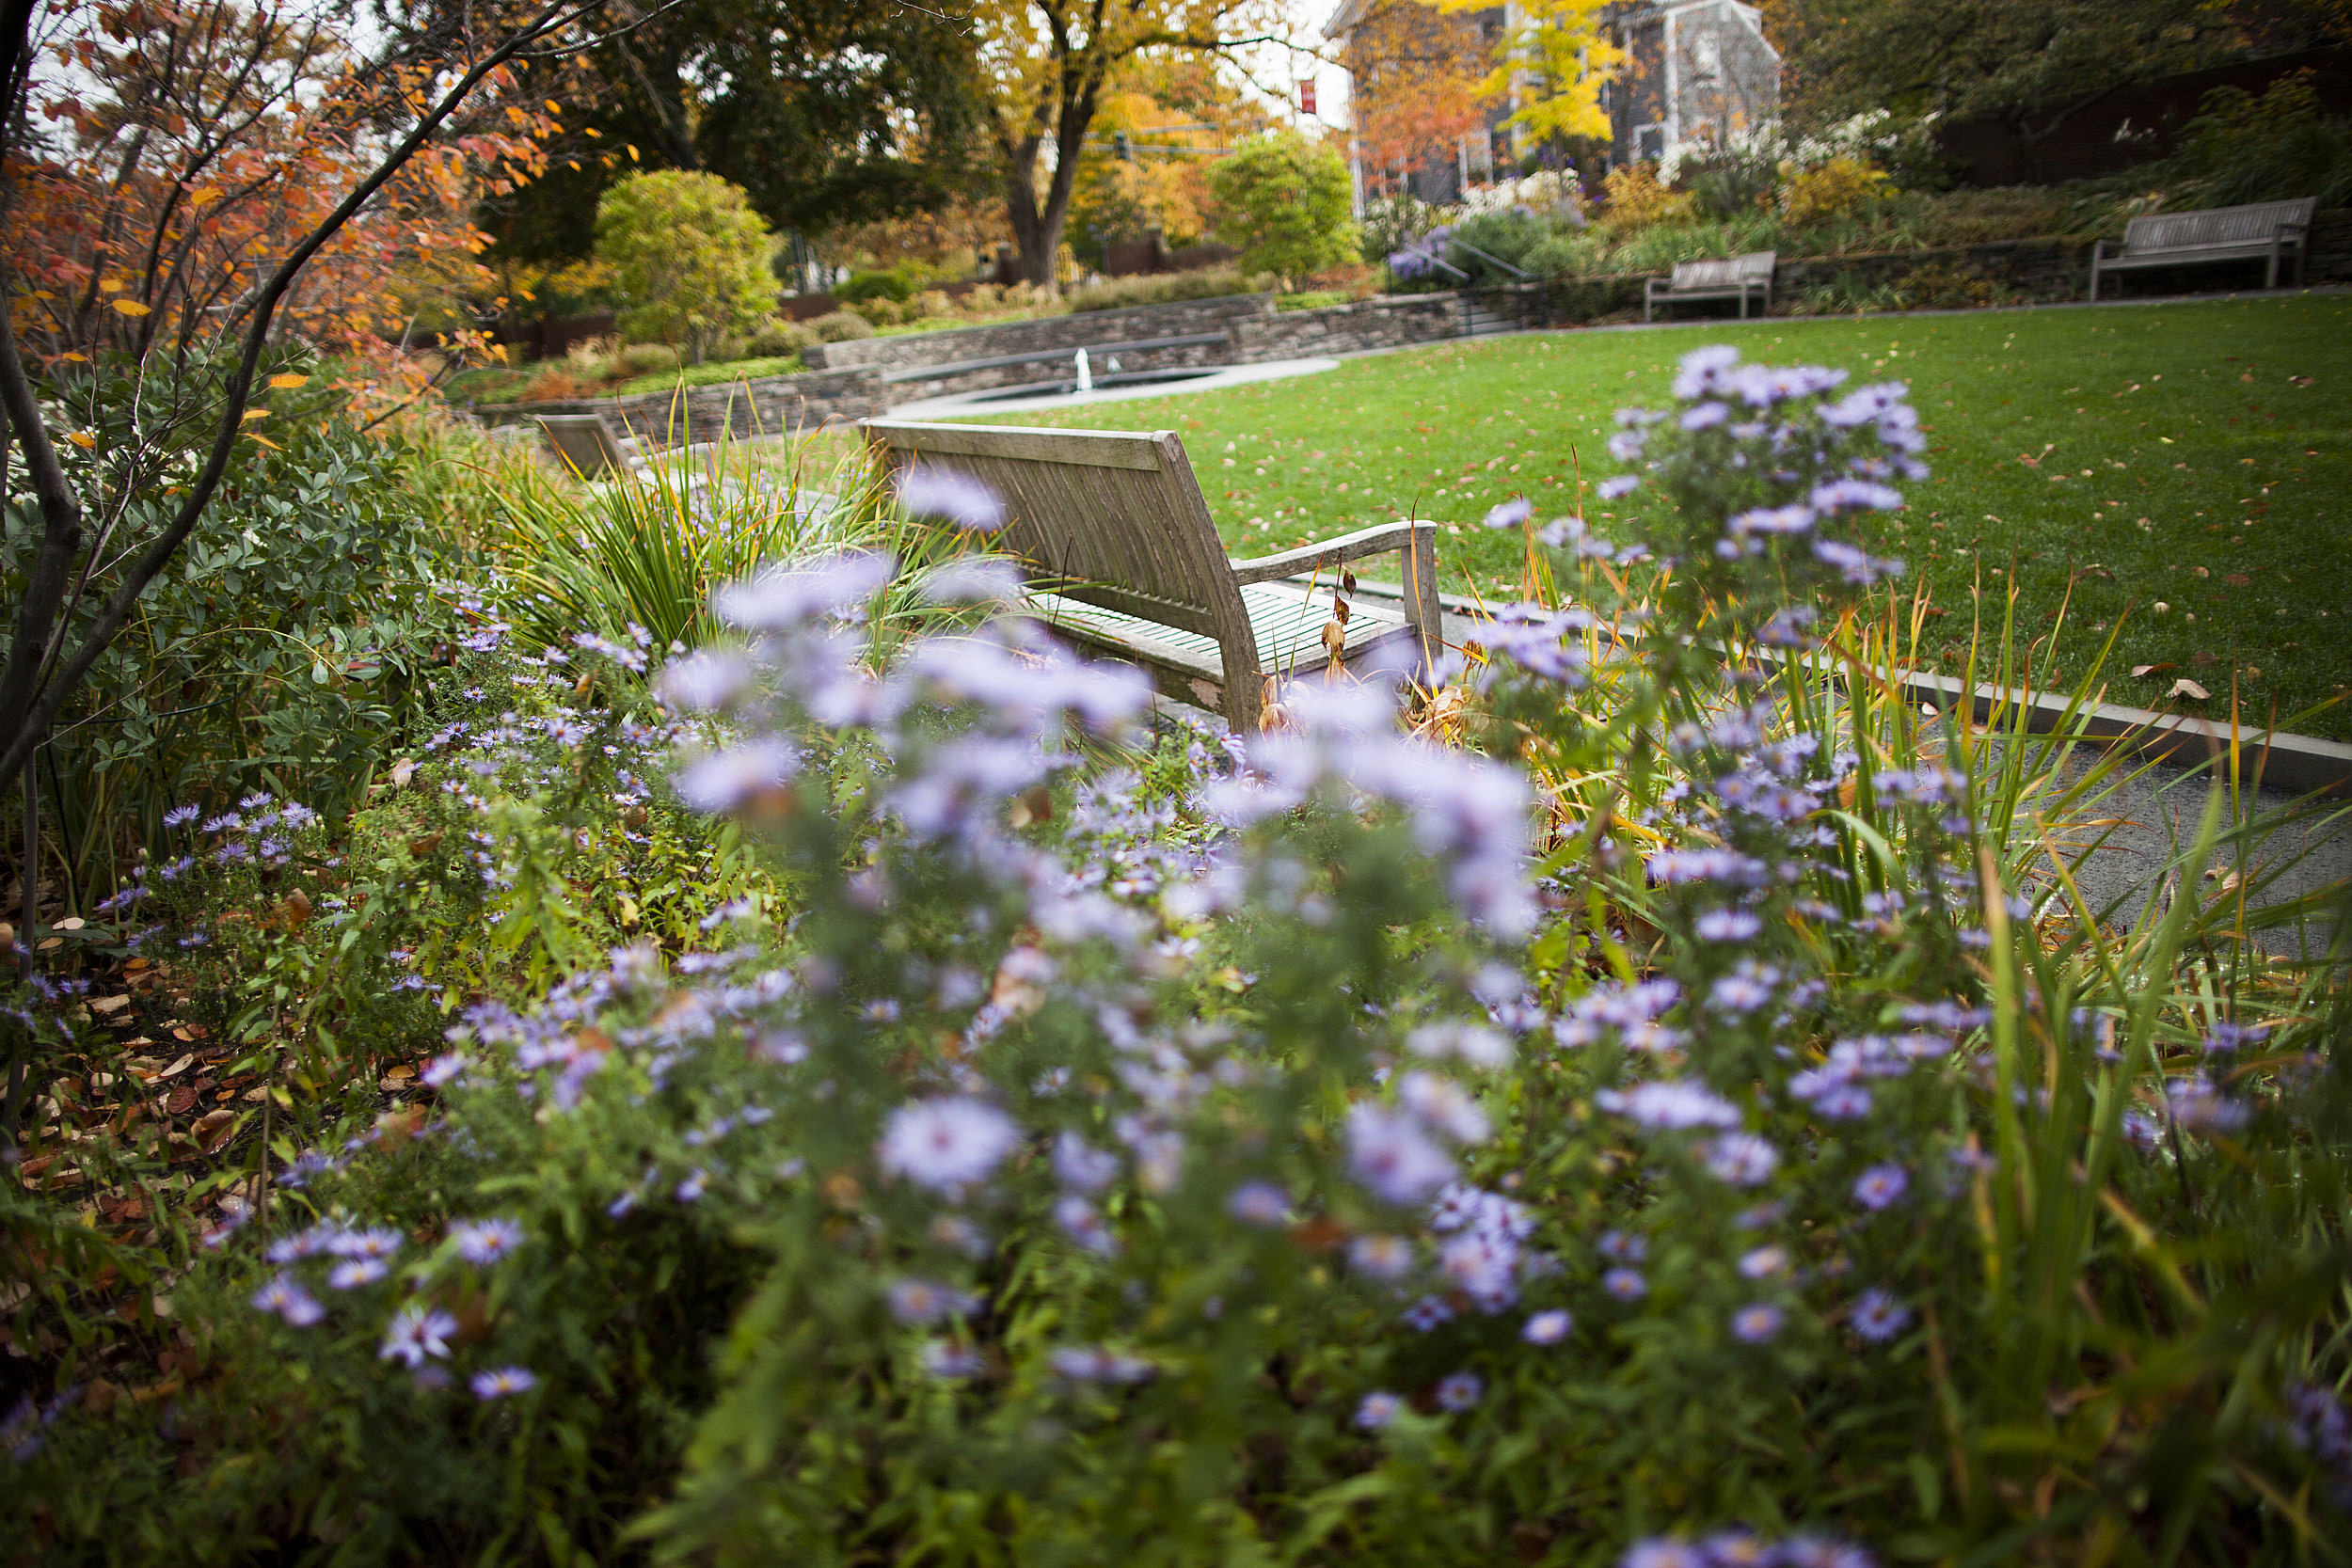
point(2194, 456)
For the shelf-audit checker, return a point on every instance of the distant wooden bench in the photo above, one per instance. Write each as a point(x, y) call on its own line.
point(1728, 278)
point(590, 449)
point(1116, 539)
point(2264, 232)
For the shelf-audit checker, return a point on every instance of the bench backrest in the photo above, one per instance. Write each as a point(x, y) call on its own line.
point(1727, 271)
point(2218, 226)
point(1113, 518)
point(585, 442)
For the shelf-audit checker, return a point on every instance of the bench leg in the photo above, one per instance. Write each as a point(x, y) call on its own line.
point(2270, 278)
point(1423, 612)
point(2095, 283)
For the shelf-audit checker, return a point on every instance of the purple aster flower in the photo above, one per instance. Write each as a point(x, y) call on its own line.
point(1854, 495)
point(1393, 1157)
point(1667, 1105)
point(381, 1242)
point(1511, 514)
point(942, 1358)
point(1617, 488)
point(1769, 519)
point(703, 682)
point(353, 1272)
point(1378, 1257)
point(443, 1070)
point(486, 1241)
point(725, 781)
point(1426, 1314)
point(927, 1301)
point(1880, 1185)
point(1260, 1203)
point(786, 597)
point(501, 1382)
point(1092, 1364)
point(946, 1144)
point(1625, 1284)
point(1705, 415)
point(926, 491)
point(1727, 926)
point(969, 580)
point(1663, 1552)
point(1377, 1410)
point(1083, 1167)
point(1459, 1391)
point(180, 816)
point(1699, 368)
point(290, 1301)
point(1742, 1159)
point(1620, 1246)
point(1082, 1223)
point(1548, 1328)
point(1878, 1317)
point(1754, 1324)
point(418, 1331)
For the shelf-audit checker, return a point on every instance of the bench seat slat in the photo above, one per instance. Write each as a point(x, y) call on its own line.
point(1286, 620)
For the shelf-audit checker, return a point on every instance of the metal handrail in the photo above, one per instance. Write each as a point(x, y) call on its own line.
point(1483, 257)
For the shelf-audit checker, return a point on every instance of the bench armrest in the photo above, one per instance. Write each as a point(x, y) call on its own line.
point(1378, 540)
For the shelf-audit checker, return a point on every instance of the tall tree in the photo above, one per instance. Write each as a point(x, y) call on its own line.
point(828, 114)
point(1050, 65)
point(2033, 64)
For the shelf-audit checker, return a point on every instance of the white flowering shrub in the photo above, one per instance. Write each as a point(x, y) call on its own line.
point(1672, 1133)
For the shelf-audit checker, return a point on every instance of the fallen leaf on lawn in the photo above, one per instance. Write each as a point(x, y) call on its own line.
point(2237, 579)
point(400, 1075)
point(176, 1069)
point(2200, 659)
point(2187, 688)
point(2199, 572)
point(2142, 672)
point(211, 1129)
point(181, 1100)
point(108, 1006)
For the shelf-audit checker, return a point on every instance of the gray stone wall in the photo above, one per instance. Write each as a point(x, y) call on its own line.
point(1390, 322)
point(770, 406)
point(1089, 330)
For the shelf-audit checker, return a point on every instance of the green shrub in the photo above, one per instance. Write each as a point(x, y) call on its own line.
point(689, 258)
point(1168, 288)
point(1507, 237)
point(779, 336)
point(282, 647)
point(1284, 202)
point(2278, 147)
point(840, 326)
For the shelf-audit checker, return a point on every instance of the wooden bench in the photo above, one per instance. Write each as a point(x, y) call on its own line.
point(1727, 277)
point(2265, 231)
point(1119, 545)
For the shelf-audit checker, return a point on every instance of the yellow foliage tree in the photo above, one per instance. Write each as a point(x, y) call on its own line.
point(1051, 64)
point(1552, 66)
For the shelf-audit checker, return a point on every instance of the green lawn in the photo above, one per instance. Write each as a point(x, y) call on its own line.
point(2194, 455)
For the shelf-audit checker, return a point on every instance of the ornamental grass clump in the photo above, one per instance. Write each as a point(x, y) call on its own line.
point(1677, 1131)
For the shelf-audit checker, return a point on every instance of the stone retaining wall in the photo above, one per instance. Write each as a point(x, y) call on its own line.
point(1393, 321)
point(1087, 329)
point(770, 406)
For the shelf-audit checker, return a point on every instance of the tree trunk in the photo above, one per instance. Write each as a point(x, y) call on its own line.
point(1037, 229)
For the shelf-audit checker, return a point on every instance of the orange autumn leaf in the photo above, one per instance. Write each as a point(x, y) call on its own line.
point(286, 381)
point(130, 308)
